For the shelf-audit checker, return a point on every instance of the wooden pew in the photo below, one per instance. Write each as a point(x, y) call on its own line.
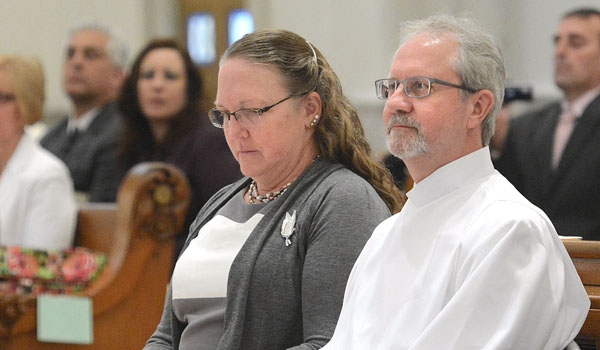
point(137, 236)
point(586, 257)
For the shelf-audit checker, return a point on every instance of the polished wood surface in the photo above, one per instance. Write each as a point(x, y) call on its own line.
point(137, 236)
point(586, 258)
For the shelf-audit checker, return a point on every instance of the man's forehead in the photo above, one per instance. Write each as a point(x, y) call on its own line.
point(426, 51)
point(579, 26)
point(88, 39)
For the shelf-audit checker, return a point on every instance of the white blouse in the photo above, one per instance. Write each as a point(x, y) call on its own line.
point(37, 203)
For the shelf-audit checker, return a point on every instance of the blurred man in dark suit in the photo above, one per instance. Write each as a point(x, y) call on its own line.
point(552, 155)
point(94, 69)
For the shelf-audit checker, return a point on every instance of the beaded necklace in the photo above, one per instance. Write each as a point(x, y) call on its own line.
point(255, 198)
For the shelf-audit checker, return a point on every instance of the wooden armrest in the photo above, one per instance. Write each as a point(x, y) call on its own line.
point(586, 258)
point(137, 235)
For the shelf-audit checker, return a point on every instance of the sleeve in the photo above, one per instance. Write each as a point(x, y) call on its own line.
point(51, 213)
point(162, 337)
point(343, 223)
point(518, 290)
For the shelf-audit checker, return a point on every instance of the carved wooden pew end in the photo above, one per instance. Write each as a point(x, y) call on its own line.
point(137, 236)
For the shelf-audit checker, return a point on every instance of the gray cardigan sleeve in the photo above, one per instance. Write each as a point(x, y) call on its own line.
point(162, 338)
point(343, 222)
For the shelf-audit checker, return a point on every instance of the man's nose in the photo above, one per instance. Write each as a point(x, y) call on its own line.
point(398, 101)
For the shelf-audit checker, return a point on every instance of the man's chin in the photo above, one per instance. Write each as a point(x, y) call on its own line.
point(405, 150)
point(78, 94)
point(562, 80)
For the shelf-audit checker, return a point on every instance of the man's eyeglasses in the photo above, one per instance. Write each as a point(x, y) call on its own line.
point(251, 115)
point(416, 87)
point(4, 98)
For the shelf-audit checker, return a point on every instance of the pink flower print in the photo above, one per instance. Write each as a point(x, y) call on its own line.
point(20, 264)
point(79, 267)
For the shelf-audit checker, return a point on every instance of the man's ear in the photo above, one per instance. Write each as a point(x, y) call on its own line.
point(482, 104)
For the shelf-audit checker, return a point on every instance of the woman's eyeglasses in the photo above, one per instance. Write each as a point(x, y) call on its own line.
point(250, 115)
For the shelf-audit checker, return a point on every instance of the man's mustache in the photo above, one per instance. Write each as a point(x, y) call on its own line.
point(401, 119)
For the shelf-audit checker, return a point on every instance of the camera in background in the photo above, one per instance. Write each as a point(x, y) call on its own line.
point(517, 93)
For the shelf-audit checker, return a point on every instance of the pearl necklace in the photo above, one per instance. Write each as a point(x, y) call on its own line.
point(255, 198)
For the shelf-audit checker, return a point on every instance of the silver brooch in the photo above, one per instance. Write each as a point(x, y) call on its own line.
point(288, 227)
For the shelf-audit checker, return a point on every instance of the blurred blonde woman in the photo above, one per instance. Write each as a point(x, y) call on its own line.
point(37, 206)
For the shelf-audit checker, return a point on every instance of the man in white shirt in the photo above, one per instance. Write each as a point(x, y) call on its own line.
point(468, 263)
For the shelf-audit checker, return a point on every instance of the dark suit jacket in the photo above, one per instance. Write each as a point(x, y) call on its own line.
point(571, 194)
point(91, 158)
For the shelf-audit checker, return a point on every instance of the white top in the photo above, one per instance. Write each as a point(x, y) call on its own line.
point(199, 283)
point(468, 263)
point(37, 205)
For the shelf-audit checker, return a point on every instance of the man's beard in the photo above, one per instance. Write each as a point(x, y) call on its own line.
point(400, 143)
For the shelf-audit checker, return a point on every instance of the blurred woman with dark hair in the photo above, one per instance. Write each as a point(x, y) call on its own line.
point(162, 103)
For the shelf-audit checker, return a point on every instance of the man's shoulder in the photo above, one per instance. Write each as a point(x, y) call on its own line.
point(109, 117)
point(540, 111)
point(54, 133)
point(108, 124)
point(593, 106)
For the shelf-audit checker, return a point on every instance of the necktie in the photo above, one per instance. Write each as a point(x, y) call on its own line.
point(70, 140)
point(562, 134)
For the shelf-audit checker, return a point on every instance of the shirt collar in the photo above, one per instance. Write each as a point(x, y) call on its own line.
point(457, 174)
point(83, 122)
point(580, 104)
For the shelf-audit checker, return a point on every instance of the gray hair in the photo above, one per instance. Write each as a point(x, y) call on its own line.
point(116, 48)
point(479, 62)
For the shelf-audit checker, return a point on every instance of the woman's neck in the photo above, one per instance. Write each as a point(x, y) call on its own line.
point(160, 129)
point(286, 178)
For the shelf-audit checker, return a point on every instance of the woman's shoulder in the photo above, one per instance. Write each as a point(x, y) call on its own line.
point(342, 185)
point(345, 180)
point(53, 168)
point(35, 161)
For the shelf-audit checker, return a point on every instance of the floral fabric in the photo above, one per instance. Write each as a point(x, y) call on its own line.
point(26, 271)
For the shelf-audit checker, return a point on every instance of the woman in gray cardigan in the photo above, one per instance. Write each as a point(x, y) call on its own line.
point(267, 259)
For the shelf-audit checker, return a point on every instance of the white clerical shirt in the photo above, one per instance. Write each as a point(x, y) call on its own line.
point(468, 263)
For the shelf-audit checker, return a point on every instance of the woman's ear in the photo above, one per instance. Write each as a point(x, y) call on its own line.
point(482, 104)
point(313, 109)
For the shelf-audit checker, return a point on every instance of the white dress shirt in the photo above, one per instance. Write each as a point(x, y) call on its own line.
point(468, 263)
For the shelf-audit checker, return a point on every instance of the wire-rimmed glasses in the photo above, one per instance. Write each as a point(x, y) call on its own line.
point(415, 87)
point(251, 115)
